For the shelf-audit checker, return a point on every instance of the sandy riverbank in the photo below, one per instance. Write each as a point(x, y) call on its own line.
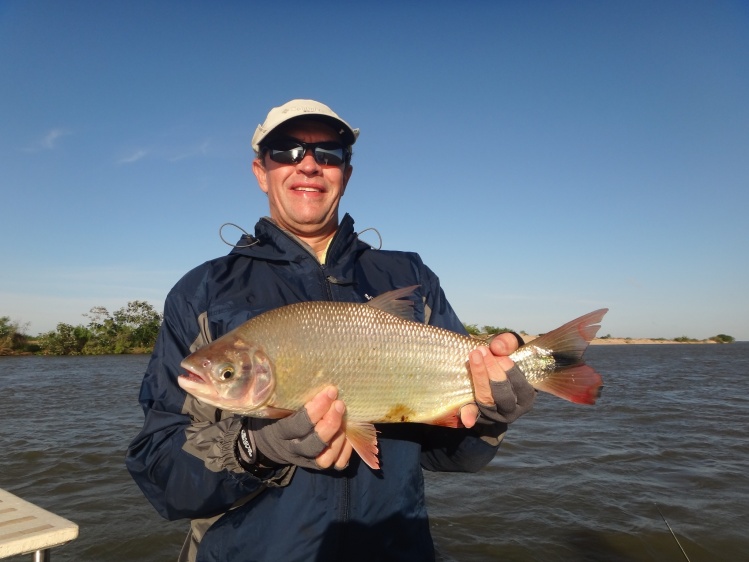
point(629, 341)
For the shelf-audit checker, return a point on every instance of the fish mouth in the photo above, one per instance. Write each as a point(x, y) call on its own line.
point(195, 383)
point(192, 377)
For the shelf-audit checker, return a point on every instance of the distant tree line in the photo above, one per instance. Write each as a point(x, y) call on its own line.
point(131, 329)
point(474, 330)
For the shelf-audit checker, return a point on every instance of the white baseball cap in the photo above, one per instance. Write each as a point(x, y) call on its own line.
point(303, 109)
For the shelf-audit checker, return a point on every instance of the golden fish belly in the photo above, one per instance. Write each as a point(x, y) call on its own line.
point(386, 369)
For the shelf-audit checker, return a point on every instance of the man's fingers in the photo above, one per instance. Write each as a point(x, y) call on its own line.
point(484, 367)
point(337, 453)
point(504, 344)
point(494, 365)
point(331, 428)
point(501, 346)
point(320, 403)
point(469, 414)
point(501, 390)
point(480, 377)
point(331, 423)
point(311, 437)
point(343, 459)
point(524, 391)
point(504, 397)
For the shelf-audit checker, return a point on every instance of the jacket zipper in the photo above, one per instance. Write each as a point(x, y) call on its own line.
point(329, 279)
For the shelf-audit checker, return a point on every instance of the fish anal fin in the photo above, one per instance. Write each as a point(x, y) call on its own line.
point(363, 439)
point(580, 384)
point(393, 302)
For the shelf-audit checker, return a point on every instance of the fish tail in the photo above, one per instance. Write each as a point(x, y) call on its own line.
point(571, 379)
point(580, 384)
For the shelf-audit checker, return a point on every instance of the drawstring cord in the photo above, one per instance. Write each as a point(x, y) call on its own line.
point(377, 232)
point(245, 234)
point(254, 240)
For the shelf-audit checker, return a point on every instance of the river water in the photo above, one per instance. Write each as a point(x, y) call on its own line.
point(570, 483)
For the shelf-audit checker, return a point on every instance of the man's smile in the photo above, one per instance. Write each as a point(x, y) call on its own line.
point(308, 188)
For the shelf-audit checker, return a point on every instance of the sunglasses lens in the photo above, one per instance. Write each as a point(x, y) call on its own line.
point(286, 152)
point(329, 153)
point(292, 152)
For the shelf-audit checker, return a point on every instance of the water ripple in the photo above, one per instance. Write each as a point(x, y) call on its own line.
point(570, 482)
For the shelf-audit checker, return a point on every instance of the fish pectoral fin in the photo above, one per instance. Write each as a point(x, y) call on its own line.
point(273, 413)
point(363, 439)
point(451, 419)
point(580, 384)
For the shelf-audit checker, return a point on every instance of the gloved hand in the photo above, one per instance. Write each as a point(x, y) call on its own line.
point(291, 440)
point(513, 397)
point(502, 392)
point(313, 437)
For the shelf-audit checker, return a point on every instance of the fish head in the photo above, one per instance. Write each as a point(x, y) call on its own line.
point(230, 374)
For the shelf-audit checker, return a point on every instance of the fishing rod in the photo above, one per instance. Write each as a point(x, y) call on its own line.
point(672, 532)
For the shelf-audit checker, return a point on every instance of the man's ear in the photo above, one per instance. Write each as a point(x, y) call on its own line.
point(261, 174)
point(346, 176)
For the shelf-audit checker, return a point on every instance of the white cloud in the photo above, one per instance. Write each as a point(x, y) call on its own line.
point(194, 152)
point(49, 140)
point(134, 157)
point(165, 152)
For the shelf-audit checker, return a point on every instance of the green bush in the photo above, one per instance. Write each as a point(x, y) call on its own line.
point(685, 339)
point(12, 336)
point(131, 329)
point(472, 329)
point(495, 330)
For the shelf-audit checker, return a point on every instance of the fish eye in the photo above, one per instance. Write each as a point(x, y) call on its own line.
point(225, 372)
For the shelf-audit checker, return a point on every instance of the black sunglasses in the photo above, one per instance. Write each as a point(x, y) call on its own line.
point(292, 151)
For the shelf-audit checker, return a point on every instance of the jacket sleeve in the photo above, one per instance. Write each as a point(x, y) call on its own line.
point(184, 457)
point(447, 449)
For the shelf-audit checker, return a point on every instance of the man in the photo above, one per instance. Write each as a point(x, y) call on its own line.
point(291, 489)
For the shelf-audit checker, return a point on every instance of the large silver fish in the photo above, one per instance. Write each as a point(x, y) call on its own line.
point(387, 367)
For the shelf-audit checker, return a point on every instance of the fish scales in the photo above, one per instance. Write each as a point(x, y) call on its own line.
point(386, 368)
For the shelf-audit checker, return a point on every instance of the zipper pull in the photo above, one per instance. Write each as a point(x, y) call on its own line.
point(335, 281)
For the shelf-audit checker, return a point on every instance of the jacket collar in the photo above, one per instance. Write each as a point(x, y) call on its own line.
point(274, 244)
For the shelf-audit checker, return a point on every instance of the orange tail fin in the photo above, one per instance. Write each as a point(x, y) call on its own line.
point(580, 384)
point(572, 379)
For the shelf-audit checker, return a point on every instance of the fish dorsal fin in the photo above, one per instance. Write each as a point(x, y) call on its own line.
point(393, 302)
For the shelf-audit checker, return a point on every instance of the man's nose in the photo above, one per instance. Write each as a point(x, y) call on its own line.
point(308, 164)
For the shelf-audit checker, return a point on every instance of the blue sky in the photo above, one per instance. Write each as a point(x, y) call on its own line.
point(545, 158)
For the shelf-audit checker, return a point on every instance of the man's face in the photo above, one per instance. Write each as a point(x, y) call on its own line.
point(304, 197)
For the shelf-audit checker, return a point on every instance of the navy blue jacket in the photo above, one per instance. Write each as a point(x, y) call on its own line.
point(184, 458)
